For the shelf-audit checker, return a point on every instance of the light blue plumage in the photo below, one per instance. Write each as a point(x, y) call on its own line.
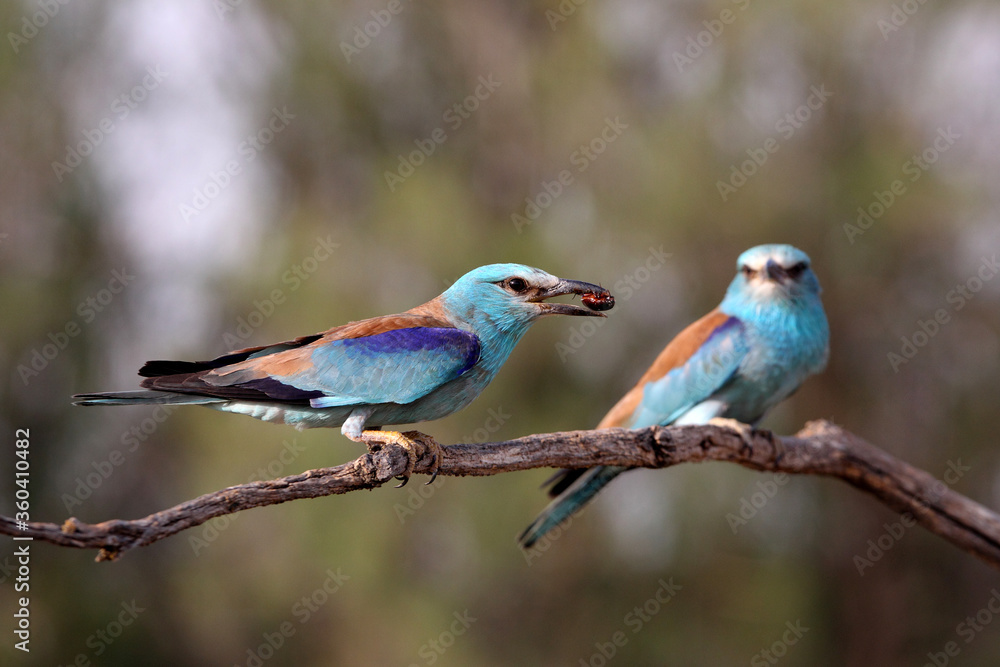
point(417, 366)
point(766, 337)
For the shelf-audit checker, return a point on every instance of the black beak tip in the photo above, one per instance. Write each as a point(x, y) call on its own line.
point(594, 297)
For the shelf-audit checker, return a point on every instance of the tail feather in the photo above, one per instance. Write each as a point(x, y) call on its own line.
point(142, 397)
point(573, 498)
point(562, 480)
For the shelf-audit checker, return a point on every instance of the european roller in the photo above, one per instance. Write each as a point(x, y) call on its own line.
point(768, 335)
point(423, 364)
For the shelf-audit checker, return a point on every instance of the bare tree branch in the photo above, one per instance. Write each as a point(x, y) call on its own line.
point(821, 448)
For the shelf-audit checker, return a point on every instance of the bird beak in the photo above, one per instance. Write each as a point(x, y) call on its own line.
point(775, 272)
point(569, 287)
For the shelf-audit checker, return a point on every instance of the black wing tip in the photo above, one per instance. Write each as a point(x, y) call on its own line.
point(161, 367)
point(562, 480)
point(93, 396)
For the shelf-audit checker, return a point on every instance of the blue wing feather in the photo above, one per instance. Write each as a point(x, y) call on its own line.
point(397, 366)
point(708, 369)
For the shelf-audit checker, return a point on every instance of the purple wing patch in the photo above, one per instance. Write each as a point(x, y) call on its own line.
point(414, 339)
point(397, 366)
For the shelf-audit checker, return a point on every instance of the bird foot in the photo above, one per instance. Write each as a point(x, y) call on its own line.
point(415, 443)
point(745, 430)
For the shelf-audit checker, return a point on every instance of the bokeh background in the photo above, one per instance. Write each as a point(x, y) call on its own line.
point(181, 178)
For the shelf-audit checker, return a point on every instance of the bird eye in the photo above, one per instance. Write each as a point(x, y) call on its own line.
point(796, 270)
point(747, 271)
point(517, 285)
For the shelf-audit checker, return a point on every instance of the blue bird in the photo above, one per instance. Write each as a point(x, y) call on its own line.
point(417, 366)
point(736, 363)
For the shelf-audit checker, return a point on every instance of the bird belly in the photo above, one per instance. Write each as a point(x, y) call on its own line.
point(765, 378)
point(702, 412)
point(299, 417)
point(441, 402)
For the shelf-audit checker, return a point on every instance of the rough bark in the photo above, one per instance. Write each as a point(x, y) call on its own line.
point(821, 448)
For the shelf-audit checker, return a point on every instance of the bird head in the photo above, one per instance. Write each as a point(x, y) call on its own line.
point(771, 275)
point(512, 296)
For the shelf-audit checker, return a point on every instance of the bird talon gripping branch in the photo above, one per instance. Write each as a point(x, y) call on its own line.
point(414, 443)
point(431, 447)
point(745, 431)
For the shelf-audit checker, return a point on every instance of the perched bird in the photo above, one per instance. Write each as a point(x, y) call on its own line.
point(743, 358)
point(417, 366)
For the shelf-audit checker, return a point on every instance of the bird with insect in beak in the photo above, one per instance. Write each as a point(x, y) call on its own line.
point(768, 335)
point(423, 364)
